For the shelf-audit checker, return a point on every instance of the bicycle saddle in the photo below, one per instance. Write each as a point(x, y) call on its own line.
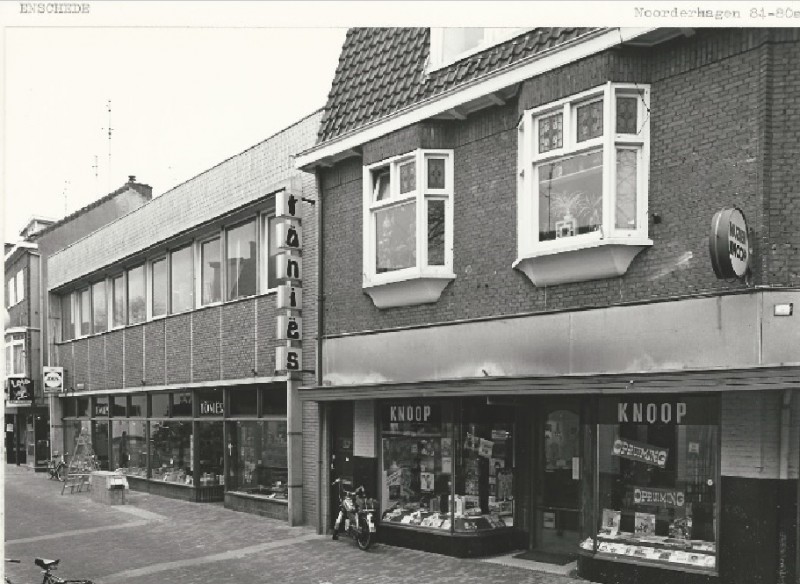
point(46, 564)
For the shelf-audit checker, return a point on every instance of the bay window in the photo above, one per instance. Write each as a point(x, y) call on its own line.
point(408, 228)
point(582, 185)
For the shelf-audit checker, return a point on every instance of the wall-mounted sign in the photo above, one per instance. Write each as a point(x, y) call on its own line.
point(19, 391)
point(289, 359)
point(658, 497)
point(211, 407)
point(654, 410)
point(289, 328)
point(728, 244)
point(415, 413)
point(53, 379)
point(640, 452)
point(289, 269)
point(290, 297)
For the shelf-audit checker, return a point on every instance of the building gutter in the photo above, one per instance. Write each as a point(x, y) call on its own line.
point(559, 56)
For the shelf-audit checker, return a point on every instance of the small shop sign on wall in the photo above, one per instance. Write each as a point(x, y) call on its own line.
point(729, 244)
point(53, 379)
point(289, 268)
point(19, 391)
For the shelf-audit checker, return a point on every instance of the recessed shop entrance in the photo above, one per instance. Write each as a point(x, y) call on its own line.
point(556, 478)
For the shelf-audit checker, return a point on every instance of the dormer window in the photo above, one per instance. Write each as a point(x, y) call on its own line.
point(452, 44)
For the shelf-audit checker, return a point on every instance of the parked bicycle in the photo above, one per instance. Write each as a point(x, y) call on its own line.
point(356, 516)
point(57, 466)
point(48, 577)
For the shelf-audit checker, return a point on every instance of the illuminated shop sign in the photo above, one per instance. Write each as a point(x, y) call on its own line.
point(728, 244)
point(53, 379)
point(19, 391)
point(289, 268)
point(658, 497)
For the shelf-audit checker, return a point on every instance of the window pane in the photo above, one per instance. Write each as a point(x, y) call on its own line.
point(11, 293)
point(396, 246)
point(129, 448)
point(262, 463)
point(20, 286)
point(171, 447)
point(274, 400)
point(19, 358)
point(590, 120)
point(244, 402)
point(136, 295)
point(82, 407)
point(436, 173)
point(435, 232)
point(570, 196)
point(118, 406)
point(272, 253)
point(138, 408)
point(212, 454)
point(100, 443)
point(626, 190)
point(118, 292)
point(85, 300)
point(211, 271)
point(99, 307)
point(182, 403)
point(417, 466)
point(159, 405)
point(9, 360)
point(241, 260)
point(101, 406)
point(626, 115)
point(182, 284)
point(158, 287)
point(551, 132)
point(380, 186)
point(408, 177)
point(67, 319)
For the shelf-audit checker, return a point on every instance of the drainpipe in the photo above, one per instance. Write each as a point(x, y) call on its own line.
point(321, 432)
point(786, 425)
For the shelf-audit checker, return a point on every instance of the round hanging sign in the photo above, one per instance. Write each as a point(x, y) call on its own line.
point(730, 251)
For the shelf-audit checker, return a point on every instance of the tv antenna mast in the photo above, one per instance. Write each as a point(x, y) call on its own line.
point(109, 129)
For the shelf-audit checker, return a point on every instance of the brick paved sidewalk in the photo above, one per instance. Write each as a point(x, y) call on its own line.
point(153, 540)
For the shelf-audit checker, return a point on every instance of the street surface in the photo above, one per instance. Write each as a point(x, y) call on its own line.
point(155, 540)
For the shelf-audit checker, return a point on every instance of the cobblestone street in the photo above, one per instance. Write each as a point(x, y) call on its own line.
point(152, 539)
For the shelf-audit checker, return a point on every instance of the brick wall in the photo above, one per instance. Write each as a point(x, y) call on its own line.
point(705, 130)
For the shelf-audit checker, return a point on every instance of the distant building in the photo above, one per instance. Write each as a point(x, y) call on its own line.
point(181, 354)
point(27, 416)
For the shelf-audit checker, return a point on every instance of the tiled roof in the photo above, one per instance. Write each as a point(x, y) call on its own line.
point(382, 70)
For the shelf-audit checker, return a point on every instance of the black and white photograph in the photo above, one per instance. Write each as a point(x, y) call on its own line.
point(401, 292)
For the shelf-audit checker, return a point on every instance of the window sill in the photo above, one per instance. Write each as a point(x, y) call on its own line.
point(410, 291)
point(609, 258)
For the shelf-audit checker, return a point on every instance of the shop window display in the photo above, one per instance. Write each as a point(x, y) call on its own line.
point(171, 451)
point(417, 449)
point(212, 454)
point(658, 474)
point(259, 461)
point(129, 448)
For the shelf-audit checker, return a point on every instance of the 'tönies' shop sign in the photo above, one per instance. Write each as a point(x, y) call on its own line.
point(289, 270)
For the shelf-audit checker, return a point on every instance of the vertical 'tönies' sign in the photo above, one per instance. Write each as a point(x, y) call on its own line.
point(289, 268)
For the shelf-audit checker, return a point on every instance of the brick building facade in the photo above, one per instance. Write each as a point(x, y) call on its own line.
point(177, 381)
point(560, 297)
point(28, 316)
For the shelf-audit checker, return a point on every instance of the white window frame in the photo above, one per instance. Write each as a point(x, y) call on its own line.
point(107, 284)
point(529, 159)
point(78, 306)
point(146, 277)
point(265, 249)
point(11, 292)
point(10, 344)
point(420, 195)
point(493, 36)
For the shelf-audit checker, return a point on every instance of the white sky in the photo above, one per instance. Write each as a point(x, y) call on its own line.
point(193, 83)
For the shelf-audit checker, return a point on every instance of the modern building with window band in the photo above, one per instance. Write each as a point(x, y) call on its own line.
point(559, 295)
point(168, 325)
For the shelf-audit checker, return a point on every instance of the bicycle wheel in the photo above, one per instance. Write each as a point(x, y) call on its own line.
point(364, 538)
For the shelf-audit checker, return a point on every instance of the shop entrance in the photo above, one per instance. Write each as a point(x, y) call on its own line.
point(341, 449)
point(557, 482)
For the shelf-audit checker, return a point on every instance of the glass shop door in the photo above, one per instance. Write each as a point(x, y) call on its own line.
point(557, 509)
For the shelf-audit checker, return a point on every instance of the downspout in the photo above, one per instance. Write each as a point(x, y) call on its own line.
point(320, 320)
point(786, 425)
